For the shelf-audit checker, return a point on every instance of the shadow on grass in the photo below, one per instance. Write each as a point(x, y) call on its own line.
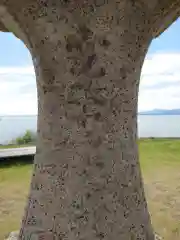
point(13, 161)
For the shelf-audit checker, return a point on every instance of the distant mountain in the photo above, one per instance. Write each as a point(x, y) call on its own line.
point(161, 112)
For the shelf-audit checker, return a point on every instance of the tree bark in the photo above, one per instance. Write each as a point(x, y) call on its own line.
point(87, 182)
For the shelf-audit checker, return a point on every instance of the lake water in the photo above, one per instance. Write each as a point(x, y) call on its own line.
point(148, 126)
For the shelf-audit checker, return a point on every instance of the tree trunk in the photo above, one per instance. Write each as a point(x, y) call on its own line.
point(86, 183)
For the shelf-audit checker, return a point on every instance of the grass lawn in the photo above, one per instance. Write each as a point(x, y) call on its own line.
point(160, 163)
point(14, 186)
point(15, 146)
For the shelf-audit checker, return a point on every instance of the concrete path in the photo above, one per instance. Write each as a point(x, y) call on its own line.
point(17, 152)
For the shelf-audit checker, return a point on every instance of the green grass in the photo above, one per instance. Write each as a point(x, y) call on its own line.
point(15, 146)
point(160, 164)
point(14, 186)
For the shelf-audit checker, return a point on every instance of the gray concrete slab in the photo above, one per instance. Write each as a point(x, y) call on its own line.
point(17, 152)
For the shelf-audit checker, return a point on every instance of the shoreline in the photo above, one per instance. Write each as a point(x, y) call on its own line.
point(6, 146)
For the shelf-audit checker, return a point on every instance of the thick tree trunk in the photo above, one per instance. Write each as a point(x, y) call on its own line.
point(87, 182)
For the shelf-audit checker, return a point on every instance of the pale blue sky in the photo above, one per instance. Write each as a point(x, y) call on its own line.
point(160, 80)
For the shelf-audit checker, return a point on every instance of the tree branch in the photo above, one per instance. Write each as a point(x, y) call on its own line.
point(10, 8)
point(3, 28)
point(9, 24)
point(166, 12)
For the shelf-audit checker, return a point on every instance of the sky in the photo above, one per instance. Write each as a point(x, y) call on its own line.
point(159, 85)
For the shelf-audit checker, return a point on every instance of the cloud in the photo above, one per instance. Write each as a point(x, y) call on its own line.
point(159, 86)
point(17, 91)
point(160, 81)
point(29, 70)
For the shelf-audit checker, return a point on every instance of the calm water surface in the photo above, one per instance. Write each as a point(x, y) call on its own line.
point(148, 126)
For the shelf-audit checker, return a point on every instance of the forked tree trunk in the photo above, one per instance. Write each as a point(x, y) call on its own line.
point(87, 182)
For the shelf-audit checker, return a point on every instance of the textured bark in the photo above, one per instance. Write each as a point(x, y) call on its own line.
point(86, 183)
point(165, 13)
